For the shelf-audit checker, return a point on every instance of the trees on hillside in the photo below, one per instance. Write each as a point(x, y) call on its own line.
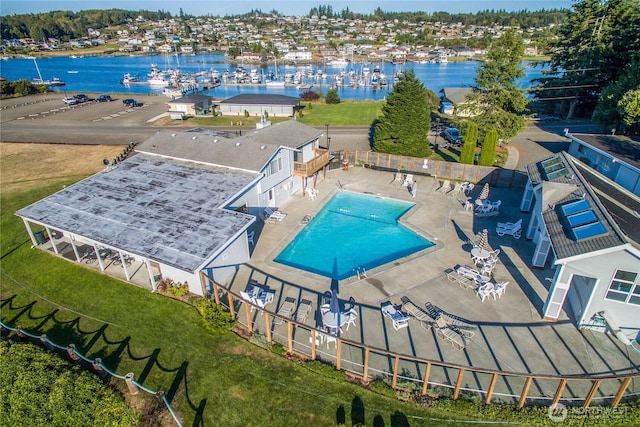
point(496, 100)
point(404, 125)
point(596, 44)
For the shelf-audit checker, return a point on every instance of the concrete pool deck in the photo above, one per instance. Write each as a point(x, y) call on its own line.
point(510, 335)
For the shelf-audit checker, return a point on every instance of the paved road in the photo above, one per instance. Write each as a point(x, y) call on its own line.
point(45, 119)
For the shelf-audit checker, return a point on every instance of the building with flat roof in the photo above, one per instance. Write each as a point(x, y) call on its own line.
point(257, 105)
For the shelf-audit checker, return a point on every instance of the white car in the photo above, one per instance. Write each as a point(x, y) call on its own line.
point(69, 100)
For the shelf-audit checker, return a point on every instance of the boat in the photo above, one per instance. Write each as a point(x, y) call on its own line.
point(129, 79)
point(72, 71)
point(275, 84)
point(55, 81)
point(342, 62)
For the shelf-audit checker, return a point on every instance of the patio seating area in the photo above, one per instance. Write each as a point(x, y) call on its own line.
point(513, 338)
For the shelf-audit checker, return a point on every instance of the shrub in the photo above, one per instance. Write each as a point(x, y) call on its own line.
point(332, 97)
point(246, 113)
point(215, 318)
point(177, 289)
point(309, 95)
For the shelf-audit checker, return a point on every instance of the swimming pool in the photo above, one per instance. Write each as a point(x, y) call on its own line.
point(353, 232)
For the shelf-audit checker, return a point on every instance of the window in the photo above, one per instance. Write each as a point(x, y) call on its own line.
point(275, 166)
point(582, 149)
point(624, 287)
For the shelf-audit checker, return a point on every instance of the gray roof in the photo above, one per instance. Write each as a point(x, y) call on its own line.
point(258, 99)
point(167, 211)
point(569, 189)
point(194, 98)
point(456, 94)
point(624, 148)
point(250, 152)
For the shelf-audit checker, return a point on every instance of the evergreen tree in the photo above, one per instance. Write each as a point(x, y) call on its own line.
point(404, 125)
point(607, 111)
point(469, 146)
point(594, 47)
point(497, 101)
point(332, 97)
point(488, 152)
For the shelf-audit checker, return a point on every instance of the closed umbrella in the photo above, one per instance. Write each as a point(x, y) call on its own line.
point(484, 194)
point(483, 241)
point(334, 303)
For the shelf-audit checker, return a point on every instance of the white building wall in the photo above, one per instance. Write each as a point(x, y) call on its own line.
point(224, 266)
point(603, 268)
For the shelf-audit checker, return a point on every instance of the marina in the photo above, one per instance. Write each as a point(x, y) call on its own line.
point(215, 75)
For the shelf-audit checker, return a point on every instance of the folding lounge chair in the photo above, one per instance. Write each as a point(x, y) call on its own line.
point(398, 318)
point(285, 310)
point(304, 308)
point(463, 281)
point(457, 189)
point(511, 228)
point(458, 325)
point(274, 214)
point(425, 320)
point(444, 331)
point(445, 187)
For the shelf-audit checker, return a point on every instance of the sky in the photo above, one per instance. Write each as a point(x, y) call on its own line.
point(286, 7)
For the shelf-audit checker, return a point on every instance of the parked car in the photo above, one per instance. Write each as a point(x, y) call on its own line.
point(69, 100)
point(130, 102)
point(82, 98)
point(104, 98)
point(453, 136)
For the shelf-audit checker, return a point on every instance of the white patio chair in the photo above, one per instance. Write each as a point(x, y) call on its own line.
point(493, 255)
point(468, 188)
point(485, 291)
point(510, 228)
point(250, 237)
point(468, 205)
point(499, 289)
point(496, 205)
point(408, 180)
point(352, 315)
point(487, 268)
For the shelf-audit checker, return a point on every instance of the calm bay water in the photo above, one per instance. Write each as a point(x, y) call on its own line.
point(100, 74)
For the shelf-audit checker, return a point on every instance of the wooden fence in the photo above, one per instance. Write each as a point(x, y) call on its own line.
point(358, 358)
point(496, 177)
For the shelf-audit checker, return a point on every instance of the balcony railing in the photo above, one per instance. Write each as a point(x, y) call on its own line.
point(307, 169)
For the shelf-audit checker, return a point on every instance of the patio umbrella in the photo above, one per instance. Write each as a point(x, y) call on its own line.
point(484, 194)
point(483, 241)
point(334, 303)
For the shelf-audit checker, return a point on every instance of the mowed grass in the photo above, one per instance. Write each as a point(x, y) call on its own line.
point(316, 114)
point(210, 379)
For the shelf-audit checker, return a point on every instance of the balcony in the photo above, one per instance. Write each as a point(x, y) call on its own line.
point(307, 169)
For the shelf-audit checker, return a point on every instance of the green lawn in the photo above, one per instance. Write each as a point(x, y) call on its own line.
point(317, 114)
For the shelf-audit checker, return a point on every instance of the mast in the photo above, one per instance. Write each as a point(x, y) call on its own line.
point(37, 68)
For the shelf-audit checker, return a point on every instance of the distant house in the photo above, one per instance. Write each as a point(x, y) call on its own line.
point(256, 105)
point(596, 260)
point(190, 105)
point(453, 101)
point(616, 157)
point(185, 203)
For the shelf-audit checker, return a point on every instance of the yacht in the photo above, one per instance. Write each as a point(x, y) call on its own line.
point(55, 81)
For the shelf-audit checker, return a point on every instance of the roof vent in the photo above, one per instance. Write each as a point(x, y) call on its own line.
point(194, 137)
point(173, 135)
point(237, 144)
point(262, 147)
point(215, 140)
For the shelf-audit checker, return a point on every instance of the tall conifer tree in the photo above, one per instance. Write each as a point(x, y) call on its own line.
point(404, 126)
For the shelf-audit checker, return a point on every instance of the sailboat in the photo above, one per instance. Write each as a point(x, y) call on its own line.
point(55, 81)
point(275, 83)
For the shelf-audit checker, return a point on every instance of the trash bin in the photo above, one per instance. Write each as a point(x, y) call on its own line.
point(39, 235)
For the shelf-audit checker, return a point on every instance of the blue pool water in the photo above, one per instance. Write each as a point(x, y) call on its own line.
point(352, 231)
